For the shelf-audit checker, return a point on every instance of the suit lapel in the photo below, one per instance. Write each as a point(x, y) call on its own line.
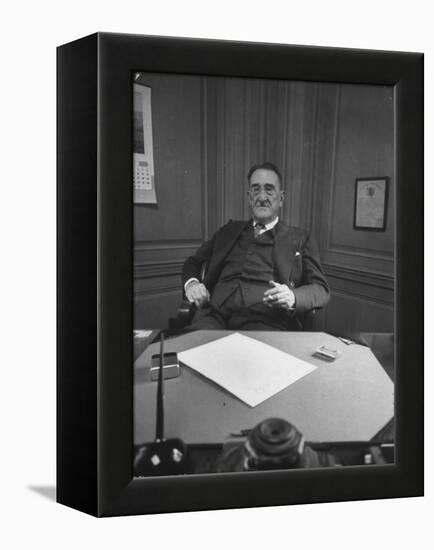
point(225, 240)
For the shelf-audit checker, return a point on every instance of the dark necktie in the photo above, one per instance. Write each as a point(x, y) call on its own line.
point(257, 229)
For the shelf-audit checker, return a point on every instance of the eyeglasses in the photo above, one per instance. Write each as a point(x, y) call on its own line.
point(269, 190)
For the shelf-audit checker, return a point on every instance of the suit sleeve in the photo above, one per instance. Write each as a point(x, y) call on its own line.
point(313, 291)
point(192, 265)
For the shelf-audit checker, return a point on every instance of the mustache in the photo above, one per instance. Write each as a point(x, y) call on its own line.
point(262, 203)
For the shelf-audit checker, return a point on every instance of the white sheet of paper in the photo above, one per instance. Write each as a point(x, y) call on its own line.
point(249, 369)
point(142, 333)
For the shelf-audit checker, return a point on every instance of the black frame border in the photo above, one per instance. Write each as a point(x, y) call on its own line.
point(106, 487)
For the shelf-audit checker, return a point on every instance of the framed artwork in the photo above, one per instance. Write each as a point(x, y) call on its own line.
point(116, 282)
point(370, 203)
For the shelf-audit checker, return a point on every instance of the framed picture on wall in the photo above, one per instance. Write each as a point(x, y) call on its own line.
point(307, 117)
point(370, 203)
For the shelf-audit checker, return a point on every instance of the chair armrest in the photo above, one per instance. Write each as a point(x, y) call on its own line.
point(308, 319)
point(186, 310)
point(184, 316)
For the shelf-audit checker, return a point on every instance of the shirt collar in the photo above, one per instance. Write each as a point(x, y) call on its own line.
point(268, 226)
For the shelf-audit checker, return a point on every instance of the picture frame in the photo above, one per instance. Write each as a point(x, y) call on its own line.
point(370, 203)
point(95, 299)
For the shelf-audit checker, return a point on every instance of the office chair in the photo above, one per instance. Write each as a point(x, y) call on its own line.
point(186, 311)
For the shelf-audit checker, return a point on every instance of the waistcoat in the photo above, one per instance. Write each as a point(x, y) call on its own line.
point(249, 267)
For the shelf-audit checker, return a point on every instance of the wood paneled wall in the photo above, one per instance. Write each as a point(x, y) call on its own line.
point(166, 233)
point(251, 121)
point(208, 131)
point(355, 139)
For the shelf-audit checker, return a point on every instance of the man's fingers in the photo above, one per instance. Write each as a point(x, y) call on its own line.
point(276, 294)
point(201, 296)
point(280, 298)
point(198, 302)
point(277, 298)
point(198, 294)
point(272, 291)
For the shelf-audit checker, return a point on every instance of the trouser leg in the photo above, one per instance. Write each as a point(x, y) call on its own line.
point(216, 315)
point(207, 318)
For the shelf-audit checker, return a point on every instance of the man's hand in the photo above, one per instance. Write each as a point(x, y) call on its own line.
point(279, 296)
point(198, 293)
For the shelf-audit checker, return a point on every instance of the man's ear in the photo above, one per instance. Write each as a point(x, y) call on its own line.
point(282, 196)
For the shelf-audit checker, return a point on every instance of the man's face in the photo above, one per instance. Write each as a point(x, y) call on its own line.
point(265, 195)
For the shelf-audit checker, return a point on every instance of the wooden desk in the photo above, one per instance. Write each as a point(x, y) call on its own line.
point(351, 399)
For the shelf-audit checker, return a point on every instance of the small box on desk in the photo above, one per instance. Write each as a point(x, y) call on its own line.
point(170, 366)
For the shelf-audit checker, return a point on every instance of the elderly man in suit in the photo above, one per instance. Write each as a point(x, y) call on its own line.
point(262, 274)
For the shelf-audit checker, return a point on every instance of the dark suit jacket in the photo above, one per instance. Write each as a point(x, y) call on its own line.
point(296, 262)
